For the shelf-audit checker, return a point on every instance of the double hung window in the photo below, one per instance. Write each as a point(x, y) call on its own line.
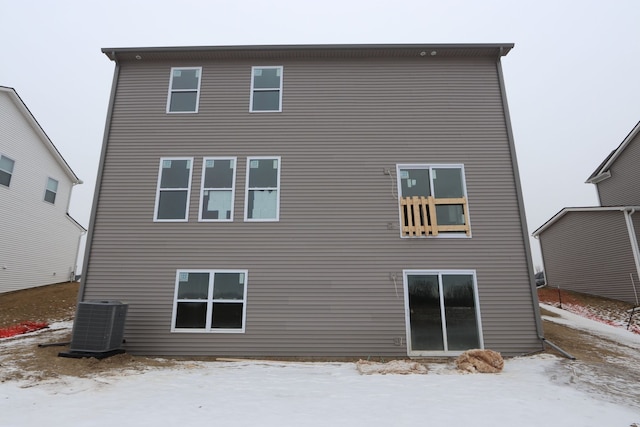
point(433, 200)
point(210, 301)
point(263, 189)
point(51, 190)
point(173, 190)
point(6, 170)
point(184, 90)
point(266, 89)
point(218, 187)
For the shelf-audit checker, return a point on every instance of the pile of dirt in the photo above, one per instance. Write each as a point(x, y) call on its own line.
point(480, 361)
point(42, 304)
point(403, 367)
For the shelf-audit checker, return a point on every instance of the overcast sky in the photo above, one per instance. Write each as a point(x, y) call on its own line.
point(573, 78)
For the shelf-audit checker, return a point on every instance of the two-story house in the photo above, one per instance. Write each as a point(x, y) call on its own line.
point(345, 200)
point(595, 249)
point(40, 240)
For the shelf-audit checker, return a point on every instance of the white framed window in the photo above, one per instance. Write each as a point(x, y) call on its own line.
point(217, 189)
point(442, 312)
point(184, 90)
point(174, 189)
point(51, 191)
point(266, 89)
point(6, 170)
point(210, 301)
point(262, 197)
point(433, 200)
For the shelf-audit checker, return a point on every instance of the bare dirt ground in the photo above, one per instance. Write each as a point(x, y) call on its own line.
point(603, 366)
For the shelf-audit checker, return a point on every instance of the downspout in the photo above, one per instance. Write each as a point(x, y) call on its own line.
point(96, 193)
point(632, 238)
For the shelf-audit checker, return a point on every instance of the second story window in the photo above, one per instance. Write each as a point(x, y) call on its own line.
point(433, 200)
point(184, 90)
point(266, 89)
point(262, 201)
point(218, 185)
point(174, 189)
point(51, 190)
point(6, 170)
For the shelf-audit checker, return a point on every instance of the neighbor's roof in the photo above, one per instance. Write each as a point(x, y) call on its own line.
point(307, 51)
point(22, 107)
point(602, 172)
point(565, 211)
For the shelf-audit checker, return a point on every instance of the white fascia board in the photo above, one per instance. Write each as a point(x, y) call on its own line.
point(565, 211)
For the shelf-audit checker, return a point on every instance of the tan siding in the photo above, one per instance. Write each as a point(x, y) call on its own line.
point(319, 279)
point(623, 187)
point(590, 252)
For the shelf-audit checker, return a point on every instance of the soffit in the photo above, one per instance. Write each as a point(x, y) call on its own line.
point(195, 53)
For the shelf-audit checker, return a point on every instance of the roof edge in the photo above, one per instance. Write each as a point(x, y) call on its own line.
point(20, 104)
point(502, 49)
point(600, 174)
point(565, 211)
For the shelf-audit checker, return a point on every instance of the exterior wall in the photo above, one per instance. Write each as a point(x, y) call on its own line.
point(39, 241)
point(319, 280)
point(590, 252)
point(623, 187)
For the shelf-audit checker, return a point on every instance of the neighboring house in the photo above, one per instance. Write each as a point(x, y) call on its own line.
point(345, 200)
point(40, 240)
point(595, 249)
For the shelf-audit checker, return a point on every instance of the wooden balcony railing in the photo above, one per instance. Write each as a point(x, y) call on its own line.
point(418, 216)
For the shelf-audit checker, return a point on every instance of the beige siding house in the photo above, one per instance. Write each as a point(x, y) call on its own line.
point(595, 249)
point(348, 200)
point(39, 239)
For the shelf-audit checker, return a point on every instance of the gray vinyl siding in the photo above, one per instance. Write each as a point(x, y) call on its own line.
point(590, 252)
point(319, 280)
point(623, 187)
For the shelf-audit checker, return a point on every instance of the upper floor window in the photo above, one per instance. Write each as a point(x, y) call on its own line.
point(173, 190)
point(6, 170)
point(184, 90)
point(218, 186)
point(263, 189)
point(51, 190)
point(210, 301)
point(266, 89)
point(433, 200)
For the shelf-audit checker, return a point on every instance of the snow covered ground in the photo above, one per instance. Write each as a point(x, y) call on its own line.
point(531, 391)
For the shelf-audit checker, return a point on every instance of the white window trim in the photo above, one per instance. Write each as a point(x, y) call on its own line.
point(46, 188)
point(439, 273)
point(202, 189)
point(12, 173)
point(157, 203)
point(448, 235)
point(210, 300)
point(246, 190)
point(171, 91)
point(280, 89)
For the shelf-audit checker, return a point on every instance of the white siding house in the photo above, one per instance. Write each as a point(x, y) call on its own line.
point(40, 241)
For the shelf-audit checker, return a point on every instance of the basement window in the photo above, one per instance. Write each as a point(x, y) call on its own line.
point(210, 301)
point(433, 201)
point(184, 90)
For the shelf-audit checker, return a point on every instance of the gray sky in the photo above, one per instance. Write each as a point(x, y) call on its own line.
point(573, 78)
